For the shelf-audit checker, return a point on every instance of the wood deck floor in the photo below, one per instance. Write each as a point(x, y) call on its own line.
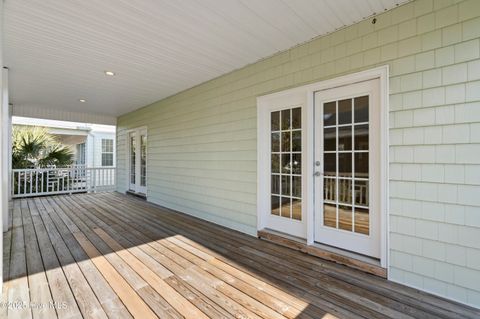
point(107, 255)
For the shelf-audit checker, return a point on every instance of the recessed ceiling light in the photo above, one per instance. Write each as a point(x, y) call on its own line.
point(83, 100)
point(110, 73)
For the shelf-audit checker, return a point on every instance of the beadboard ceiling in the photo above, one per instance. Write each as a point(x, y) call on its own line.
point(57, 50)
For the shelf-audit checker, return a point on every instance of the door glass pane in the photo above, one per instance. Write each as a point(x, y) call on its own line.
point(361, 193)
point(297, 186)
point(286, 163)
point(362, 220)
point(285, 211)
point(361, 109)
point(330, 189)
point(276, 184)
point(296, 208)
point(143, 160)
point(286, 185)
point(275, 200)
point(345, 138)
point(297, 163)
point(286, 120)
point(361, 165)
point(361, 137)
point(133, 153)
point(346, 164)
point(330, 215)
point(329, 113)
point(296, 141)
point(286, 141)
point(275, 121)
point(275, 142)
point(330, 164)
point(345, 191)
point(330, 139)
point(297, 118)
point(275, 158)
point(345, 217)
point(345, 112)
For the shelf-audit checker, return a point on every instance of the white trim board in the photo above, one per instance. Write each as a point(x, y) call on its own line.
point(304, 96)
point(41, 112)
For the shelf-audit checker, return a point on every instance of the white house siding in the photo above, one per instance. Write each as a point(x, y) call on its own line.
point(94, 148)
point(202, 142)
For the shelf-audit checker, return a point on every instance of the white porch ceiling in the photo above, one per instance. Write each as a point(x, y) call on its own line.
point(57, 50)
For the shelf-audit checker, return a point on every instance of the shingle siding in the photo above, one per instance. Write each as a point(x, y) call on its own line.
point(202, 142)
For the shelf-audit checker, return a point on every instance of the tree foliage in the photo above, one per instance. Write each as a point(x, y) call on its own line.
point(35, 147)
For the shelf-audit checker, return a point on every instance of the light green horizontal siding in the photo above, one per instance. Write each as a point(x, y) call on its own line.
point(202, 142)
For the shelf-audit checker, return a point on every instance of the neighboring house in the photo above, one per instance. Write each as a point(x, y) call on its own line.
point(92, 145)
point(99, 149)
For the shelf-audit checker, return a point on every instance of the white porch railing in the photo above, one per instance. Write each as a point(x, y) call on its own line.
point(51, 181)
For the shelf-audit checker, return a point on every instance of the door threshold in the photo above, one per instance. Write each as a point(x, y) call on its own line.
point(360, 262)
point(139, 195)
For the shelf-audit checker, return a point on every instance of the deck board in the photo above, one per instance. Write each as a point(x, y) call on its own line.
point(108, 255)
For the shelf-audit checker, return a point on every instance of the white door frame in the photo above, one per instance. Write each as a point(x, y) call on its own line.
point(308, 92)
point(137, 131)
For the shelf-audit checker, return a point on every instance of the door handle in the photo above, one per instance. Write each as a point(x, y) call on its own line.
point(317, 174)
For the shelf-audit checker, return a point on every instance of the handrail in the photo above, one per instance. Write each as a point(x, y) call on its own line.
point(68, 180)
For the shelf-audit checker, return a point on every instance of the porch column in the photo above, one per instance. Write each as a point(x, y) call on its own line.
point(5, 150)
point(3, 146)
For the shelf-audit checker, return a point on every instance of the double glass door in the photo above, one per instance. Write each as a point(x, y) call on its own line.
point(320, 166)
point(137, 140)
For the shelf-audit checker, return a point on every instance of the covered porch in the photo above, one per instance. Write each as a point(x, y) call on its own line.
point(108, 255)
point(346, 130)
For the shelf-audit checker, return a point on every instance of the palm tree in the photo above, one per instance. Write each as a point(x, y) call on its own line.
point(35, 147)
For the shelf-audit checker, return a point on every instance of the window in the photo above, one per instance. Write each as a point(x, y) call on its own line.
point(107, 152)
point(81, 154)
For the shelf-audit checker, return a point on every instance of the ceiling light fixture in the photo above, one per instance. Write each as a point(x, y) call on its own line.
point(109, 73)
point(83, 100)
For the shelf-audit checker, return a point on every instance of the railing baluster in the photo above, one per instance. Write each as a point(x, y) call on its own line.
point(88, 179)
point(95, 180)
point(25, 183)
point(75, 177)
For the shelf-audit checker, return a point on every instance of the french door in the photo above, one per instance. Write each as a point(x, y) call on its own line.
point(347, 164)
point(137, 140)
point(286, 213)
